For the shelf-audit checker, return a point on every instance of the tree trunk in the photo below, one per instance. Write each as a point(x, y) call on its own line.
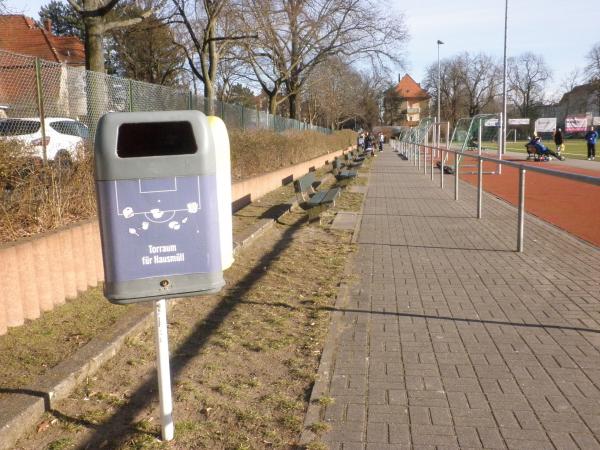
point(293, 102)
point(209, 96)
point(272, 104)
point(94, 49)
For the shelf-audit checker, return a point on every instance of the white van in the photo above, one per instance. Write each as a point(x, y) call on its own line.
point(63, 135)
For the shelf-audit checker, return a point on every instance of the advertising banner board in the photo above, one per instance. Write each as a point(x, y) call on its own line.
point(524, 121)
point(545, 124)
point(575, 124)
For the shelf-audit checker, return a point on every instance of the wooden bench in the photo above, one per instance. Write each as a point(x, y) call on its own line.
point(352, 160)
point(342, 174)
point(314, 202)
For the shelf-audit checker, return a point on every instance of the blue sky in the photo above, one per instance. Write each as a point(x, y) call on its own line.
point(562, 31)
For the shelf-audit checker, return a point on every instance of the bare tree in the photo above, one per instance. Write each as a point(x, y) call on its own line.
point(297, 35)
point(592, 71)
point(96, 22)
point(451, 90)
point(480, 77)
point(527, 77)
point(370, 96)
point(332, 93)
point(568, 83)
point(145, 51)
point(209, 31)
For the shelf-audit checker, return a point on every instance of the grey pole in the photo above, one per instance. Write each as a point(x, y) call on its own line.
point(479, 186)
point(442, 171)
point(425, 153)
point(431, 168)
point(438, 86)
point(504, 119)
point(479, 138)
point(521, 218)
point(456, 176)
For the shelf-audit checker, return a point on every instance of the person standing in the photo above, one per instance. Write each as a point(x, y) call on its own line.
point(591, 137)
point(361, 142)
point(381, 141)
point(559, 141)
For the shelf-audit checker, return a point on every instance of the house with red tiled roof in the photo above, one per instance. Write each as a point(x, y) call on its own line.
point(62, 67)
point(406, 103)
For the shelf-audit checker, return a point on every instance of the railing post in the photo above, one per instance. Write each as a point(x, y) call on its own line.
point(425, 160)
point(456, 176)
point(479, 186)
point(130, 94)
point(521, 217)
point(414, 149)
point(442, 170)
point(431, 168)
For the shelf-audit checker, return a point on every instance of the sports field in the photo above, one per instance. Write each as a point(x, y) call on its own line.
point(574, 148)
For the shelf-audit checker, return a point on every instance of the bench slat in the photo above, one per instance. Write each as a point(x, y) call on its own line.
point(324, 197)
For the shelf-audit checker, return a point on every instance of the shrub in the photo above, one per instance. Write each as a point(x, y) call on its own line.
point(35, 198)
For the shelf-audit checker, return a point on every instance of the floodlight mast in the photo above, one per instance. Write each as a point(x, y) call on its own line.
point(438, 94)
point(503, 117)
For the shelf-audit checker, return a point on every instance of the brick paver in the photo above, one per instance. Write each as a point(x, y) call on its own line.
point(451, 339)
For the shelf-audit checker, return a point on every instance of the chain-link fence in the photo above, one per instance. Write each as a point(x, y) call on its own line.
point(52, 107)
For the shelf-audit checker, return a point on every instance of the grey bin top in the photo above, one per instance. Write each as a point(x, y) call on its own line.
point(155, 144)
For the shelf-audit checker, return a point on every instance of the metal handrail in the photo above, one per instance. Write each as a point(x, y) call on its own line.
point(412, 151)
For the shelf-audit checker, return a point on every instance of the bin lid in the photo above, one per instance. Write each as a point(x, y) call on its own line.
point(153, 144)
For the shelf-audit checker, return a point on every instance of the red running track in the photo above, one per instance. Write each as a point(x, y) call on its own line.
point(570, 205)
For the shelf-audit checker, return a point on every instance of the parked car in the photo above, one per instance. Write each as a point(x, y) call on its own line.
point(63, 135)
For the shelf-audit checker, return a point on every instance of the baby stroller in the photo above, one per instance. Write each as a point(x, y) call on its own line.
point(539, 152)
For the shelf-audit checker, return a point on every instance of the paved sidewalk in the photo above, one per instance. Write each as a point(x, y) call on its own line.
point(449, 338)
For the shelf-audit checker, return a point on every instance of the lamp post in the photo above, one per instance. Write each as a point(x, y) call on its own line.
point(437, 133)
point(503, 118)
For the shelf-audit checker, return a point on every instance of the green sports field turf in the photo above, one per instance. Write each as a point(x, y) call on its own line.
point(575, 148)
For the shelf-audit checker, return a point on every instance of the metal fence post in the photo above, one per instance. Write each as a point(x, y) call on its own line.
point(190, 100)
point(442, 170)
point(521, 217)
point(130, 94)
point(431, 168)
point(40, 101)
point(456, 176)
point(479, 186)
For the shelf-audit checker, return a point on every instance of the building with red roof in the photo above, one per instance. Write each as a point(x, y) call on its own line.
point(21, 41)
point(20, 34)
point(406, 103)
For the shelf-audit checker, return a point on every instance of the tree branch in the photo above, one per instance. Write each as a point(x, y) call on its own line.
point(128, 22)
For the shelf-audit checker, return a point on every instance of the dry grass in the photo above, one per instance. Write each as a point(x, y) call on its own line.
point(35, 199)
point(259, 151)
point(242, 362)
